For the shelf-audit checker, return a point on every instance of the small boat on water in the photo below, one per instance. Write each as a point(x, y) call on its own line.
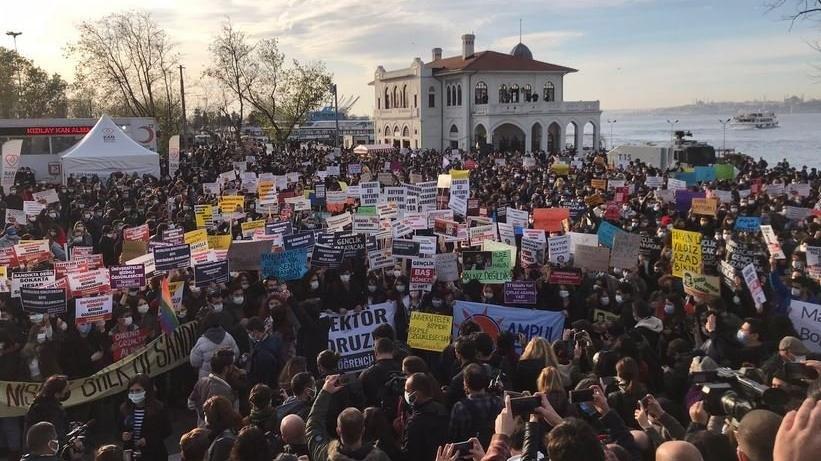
point(754, 120)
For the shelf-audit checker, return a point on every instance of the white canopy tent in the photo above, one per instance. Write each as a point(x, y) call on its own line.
point(107, 149)
point(372, 149)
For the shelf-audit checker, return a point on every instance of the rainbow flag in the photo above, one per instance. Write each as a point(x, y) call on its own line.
point(168, 318)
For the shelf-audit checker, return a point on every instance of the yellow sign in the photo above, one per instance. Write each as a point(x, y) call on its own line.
point(249, 227)
point(204, 215)
point(561, 169)
point(219, 242)
point(343, 186)
point(701, 285)
point(229, 203)
point(429, 332)
point(159, 356)
point(459, 174)
point(704, 206)
point(686, 252)
point(198, 239)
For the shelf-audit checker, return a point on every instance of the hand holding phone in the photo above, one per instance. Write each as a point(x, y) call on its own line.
point(580, 396)
point(524, 405)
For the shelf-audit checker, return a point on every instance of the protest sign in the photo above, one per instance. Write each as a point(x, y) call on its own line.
point(249, 227)
point(773, 246)
point(748, 223)
point(650, 246)
point(405, 248)
point(592, 258)
point(739, 254)
point(795, 213)
point(211, 272)
point(29, 279)
point(423, 274)
point(172, 257)
point(287, 265)
point(43, 300)
point(161, 355)
point(173, 236)
point(15, 216)
point(338, 223)
point(493, 320)
point(327, 257)
point(806, 319)
point(231, 204)
point(350, 336)
point(686, 252)
point(47, 196)
point(558, 249)
point(427, 244)
point(33, 252)
point(89, 283)
point(704, 286)
point(479, 234)
point(492, 267)
point(301, 240)
point(136, 233)
point(606, 233)
point(704, 206)
point(520, 292)
point(127, 276)
point(517, 218)
point(32, 208)
point(93, 309)
point(487, 245)
point(61, 268)
point(625, 252)
point(565, 276)
point(447, 267)
point(754, 284)
point(244, 255)
point(429, 332)
point(380, 259)
point(353, 244)
point(126, 343)
point(576, 239)
point(550, 219)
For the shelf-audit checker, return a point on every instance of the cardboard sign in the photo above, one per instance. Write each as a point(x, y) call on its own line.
point(47, 196)
point(625, 252)
point(565, 276)
point(127, 276)
point(804, 317)
point(301, 240)
point(491, 267)
point(172, 257)
point(520, 292)
point(703, 286)
point(773, 246)
point(33, 252)
point(754, 284)
point(211, 272)
point(423, 274)
point(126, 343)
point(43, 300)
point(31, 279)
point(232, 203)
point(61, 268)
point(592, 258)
point(339, 222)
point(429, 332)
point(550, 219)
point(244, 255)
point(558, 249)
point(704, 206)
point(133, 249)
point(600, 184)
point(93, 309)
point(606, 233)
point(600, 315)
point(686, 252)
point(405, 248)
point(447, 267)
point(140, 233)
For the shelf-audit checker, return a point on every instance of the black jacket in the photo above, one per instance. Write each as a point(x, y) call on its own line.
point(425, 430)
point(527, 372)
point(374, 377)
point(50, 410)
point(155, 429)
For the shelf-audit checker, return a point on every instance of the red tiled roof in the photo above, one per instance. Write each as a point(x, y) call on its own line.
point(493, 60)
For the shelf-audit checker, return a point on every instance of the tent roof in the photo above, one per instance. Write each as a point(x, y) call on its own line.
point(107, 139)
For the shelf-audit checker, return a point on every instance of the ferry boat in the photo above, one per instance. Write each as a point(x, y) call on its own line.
point(752, 120)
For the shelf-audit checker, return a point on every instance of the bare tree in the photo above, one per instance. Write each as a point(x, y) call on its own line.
point(232, 68)
point(128, 61)
point(283, 95)
point(802, 9)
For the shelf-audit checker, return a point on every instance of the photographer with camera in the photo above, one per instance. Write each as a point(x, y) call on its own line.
point(48, 406)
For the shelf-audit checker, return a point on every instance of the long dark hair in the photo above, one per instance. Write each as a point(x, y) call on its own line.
point(53, 385)
point(151, 405)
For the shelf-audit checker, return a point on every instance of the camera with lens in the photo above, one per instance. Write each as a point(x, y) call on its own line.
point(734, 393)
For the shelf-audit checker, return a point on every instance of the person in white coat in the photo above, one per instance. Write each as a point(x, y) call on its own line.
point(213, 338)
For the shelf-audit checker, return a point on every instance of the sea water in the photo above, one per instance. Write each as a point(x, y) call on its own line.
point(798, 137)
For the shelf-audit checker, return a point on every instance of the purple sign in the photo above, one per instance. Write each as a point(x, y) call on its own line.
point(522, 292)
point(128, 276)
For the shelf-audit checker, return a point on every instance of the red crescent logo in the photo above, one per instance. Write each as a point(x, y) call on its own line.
point(150, 133)
point(12, 160)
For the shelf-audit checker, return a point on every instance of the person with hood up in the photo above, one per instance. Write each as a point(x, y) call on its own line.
point(213, 338)
point(647, 324)
point(265, 360)
point(350, 427)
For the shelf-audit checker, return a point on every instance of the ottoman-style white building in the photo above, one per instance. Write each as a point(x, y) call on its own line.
point(508, 100)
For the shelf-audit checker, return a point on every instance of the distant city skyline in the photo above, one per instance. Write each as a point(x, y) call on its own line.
point(631, 54)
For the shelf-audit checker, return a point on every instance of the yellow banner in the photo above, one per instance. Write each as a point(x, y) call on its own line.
point(249, 227)
point(459, 174)
point(429, 332)
point(229, 203)
point(686, 252)
point(159, 356)
point(219, 242)
point(343, 186)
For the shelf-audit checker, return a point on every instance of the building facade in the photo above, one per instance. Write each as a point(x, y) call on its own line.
point(507, 101)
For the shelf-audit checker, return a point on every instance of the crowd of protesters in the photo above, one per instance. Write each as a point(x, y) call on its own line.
point(262, 383)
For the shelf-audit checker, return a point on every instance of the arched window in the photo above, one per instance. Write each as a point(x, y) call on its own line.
point(405, 132)
point(549, 92)
point(527, 91)
point(480, 93)
point(454, 130)
point(387, 99)
point(449, 100)
point(387, 130)
point(404, 96)
point(396, 101)
point(396, 131)
point(504, 96)
point(514, 92)
point(431, 97)
point(458, 95)
point(378, 103)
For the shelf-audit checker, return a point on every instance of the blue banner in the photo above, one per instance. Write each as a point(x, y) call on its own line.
point(705, 173)
point(607, 232)
point(493, 319)
point(288, 265)
point(748, 223)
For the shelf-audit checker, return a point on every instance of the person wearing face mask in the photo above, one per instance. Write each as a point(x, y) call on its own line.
point(426, 427)
point(269, 350)
point(110, 246)
point(344, 292)
point(10, 237)
point(790, 350)
point(375, 294)
point(303, 392)
point(80, 237)
point(143, 421)
point(42, 443)
point(48, 406)
point(753, 348)
point(41, 352)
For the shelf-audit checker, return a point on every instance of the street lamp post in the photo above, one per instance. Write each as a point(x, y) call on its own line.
point(724, 134)
point(611, 122)
point(672, 125)
point(336, 115)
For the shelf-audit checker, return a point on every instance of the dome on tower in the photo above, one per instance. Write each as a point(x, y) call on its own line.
point(521, 51)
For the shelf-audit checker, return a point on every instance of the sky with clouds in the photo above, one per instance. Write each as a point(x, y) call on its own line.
point(631, 53)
